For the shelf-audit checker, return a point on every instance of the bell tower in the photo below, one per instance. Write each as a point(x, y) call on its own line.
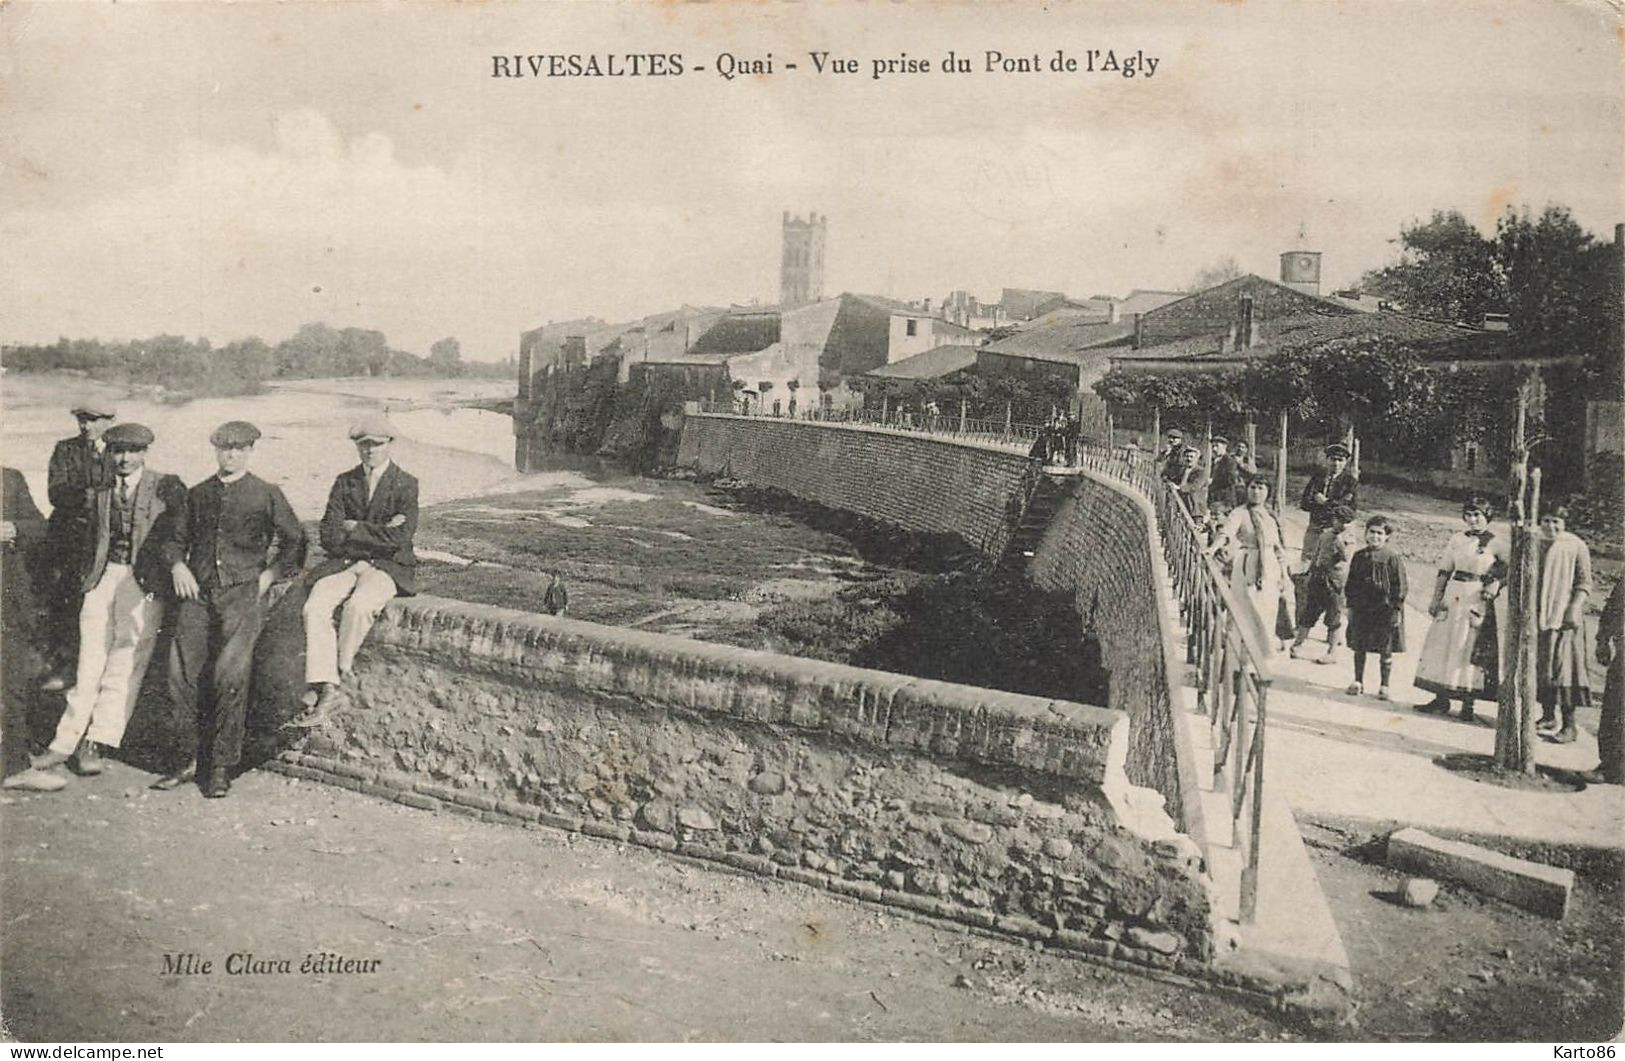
point(801, 269)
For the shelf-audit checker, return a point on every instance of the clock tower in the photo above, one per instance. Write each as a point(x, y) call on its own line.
point(1300, 270)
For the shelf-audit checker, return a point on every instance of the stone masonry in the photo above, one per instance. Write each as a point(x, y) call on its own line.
point(1004, 812)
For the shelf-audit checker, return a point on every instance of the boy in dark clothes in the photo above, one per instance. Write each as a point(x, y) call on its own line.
point(1376, 603)
point(1323, 585)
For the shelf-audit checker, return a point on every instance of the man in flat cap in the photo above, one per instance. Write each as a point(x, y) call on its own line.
point(1225, 481)
point(1328, 488)
point(79, 468)
point(126, 586)
point(366, 532)
point(237, 536)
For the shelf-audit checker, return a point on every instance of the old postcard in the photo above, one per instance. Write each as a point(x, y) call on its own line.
point(541, 521)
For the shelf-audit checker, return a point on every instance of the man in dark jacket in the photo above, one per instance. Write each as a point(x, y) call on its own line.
point(1328, 488)
point(22, 529)
point(79, 467)
point(126, 588)
point(237, 535)
point(367, 530)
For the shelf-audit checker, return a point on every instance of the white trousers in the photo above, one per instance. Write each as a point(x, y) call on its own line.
point(118, 628)
point(362, 590)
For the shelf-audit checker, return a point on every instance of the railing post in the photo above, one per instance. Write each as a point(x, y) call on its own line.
point(964, 414)
point(1249, 872)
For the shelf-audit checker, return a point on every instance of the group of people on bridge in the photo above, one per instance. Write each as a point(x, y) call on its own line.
point(1359, 590)
point(129, 551)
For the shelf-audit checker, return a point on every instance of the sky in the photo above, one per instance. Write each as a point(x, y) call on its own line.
point(225, 170)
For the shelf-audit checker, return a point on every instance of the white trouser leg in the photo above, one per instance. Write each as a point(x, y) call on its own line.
point(95, 642)
point(136, 618)
point(373, 590)
point(321, 642)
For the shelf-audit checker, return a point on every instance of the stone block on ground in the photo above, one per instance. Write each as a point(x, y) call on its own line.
point(1531, 885)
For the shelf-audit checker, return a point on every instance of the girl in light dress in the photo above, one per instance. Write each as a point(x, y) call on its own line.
point(1253, 537)
point(1460, 657)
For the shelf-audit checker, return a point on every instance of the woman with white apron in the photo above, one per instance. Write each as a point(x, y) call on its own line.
point(1461, 657)
point(1257, 573)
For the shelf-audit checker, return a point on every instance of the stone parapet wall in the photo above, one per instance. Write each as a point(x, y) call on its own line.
point(1005, 812)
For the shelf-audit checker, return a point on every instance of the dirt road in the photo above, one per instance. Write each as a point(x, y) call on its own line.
point(488, 932)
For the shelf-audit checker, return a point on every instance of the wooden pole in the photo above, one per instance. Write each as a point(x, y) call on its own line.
point(1252, 440)
point(964, 414)
point(885, 409)
point(1156, 428)
point(1280, 466)
point(1514, 724)
point(1007, 412)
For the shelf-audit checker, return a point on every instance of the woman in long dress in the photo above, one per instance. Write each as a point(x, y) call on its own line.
point(1461, 655)
point(1254, 539)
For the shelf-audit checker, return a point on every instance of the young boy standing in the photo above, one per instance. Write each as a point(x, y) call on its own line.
point(1376, 601)
point(1323, 585)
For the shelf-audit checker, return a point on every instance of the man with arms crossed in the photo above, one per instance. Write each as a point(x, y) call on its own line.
point(372, 514)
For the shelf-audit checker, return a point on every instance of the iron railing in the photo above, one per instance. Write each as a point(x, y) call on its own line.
point(1224, 645)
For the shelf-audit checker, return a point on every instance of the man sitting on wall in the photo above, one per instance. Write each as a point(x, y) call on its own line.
point(372, 514)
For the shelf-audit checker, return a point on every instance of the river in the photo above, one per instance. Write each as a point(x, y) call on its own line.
point(455, 452)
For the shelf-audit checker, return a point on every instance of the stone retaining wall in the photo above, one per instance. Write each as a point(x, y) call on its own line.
point(1096, 550)
point(1006, 812)
point(921, 483)
point(1101, 547)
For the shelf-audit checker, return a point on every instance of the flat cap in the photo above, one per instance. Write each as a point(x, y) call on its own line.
point(1337, 449)
point(372, 425)
point(93, 407)
point(235, 433)
point(1221, 440)
point(128, 436)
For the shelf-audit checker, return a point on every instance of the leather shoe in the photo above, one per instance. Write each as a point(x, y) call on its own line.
point(49, 759)
point(34, 781)
point(319, 711)
point(53, 683)
point(1590, 777)
point(87, 761)
point(1566, 735)
point(218, 784)
point(185, 775)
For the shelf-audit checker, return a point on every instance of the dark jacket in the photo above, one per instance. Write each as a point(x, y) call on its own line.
point(230, 532)
point(76, 472)
point(159, 502)
point(387, 548)
point(1340, 490)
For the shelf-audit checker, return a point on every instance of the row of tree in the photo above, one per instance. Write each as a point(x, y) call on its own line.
point(197, 367)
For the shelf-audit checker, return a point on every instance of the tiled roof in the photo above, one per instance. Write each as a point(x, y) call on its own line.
point(1065, 339)
point(938, 361)
point(1430, 338)
point(740, 333)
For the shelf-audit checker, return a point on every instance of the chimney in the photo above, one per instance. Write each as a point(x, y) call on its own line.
point(1246, 335)
point(1111, 312)
point(927, 305)
point(1139, 330)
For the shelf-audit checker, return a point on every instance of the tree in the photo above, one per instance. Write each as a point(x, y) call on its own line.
point(1447, 271)
point(446, 357)
point(1226, 268)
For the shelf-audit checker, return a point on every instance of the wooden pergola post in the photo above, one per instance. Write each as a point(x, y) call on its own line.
point(1515, 740)
point(1156, 428)
point(885, 409)
point(1007, 420)
point(963, 414)
point(1280, 466)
